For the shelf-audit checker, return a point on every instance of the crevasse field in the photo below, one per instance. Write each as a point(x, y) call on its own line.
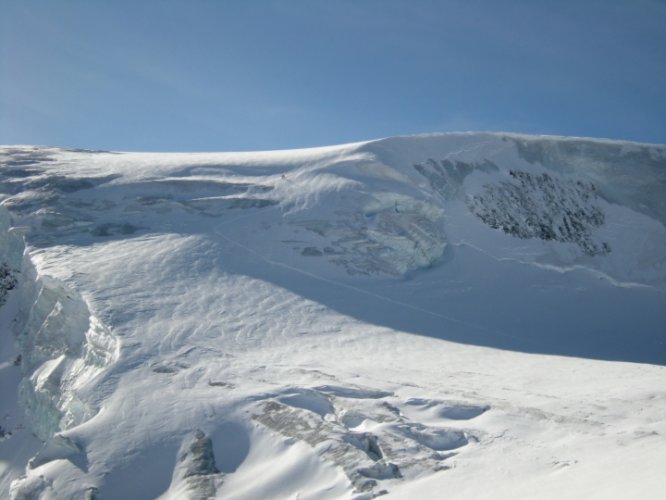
point(442, 316)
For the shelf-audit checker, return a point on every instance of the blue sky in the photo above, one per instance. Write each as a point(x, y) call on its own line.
point(267, 74)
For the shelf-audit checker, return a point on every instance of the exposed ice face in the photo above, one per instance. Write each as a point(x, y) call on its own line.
point(383, 233)
point(62, 346)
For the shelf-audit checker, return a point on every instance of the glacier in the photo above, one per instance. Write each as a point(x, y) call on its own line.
point(395, 317)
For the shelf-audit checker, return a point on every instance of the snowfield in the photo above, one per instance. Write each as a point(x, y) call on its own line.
point(464, 315)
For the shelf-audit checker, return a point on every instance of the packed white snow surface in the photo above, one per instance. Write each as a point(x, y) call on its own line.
point(445, 316)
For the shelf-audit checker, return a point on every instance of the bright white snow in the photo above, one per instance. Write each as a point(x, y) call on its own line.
point(457, 315)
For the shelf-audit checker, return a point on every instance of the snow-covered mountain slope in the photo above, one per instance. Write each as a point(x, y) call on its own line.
point(454, 315)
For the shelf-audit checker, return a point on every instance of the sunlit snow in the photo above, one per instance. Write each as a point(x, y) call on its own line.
point(442, 316)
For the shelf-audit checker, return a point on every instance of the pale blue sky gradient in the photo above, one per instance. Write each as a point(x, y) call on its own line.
point(268, 74)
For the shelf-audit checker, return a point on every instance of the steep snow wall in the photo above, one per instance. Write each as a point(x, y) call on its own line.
point(62, 345)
